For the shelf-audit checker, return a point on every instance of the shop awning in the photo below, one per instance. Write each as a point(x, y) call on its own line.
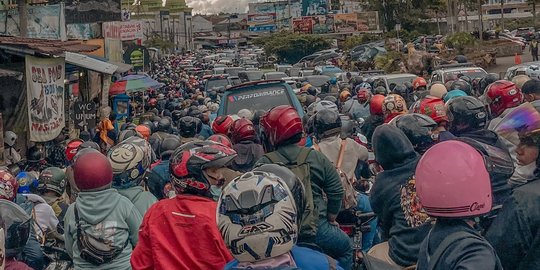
point(87, 62)
point(11, 73)
point(121, 66)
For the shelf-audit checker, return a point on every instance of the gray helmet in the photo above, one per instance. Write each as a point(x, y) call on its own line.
point(10, 138)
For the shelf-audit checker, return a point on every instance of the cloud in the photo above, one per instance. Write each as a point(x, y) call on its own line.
point(217, 6)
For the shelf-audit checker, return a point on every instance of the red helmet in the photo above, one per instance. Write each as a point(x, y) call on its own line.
point(222, 124)
point(502, 95)
point(376, 104)
point(72, 147)
point(152, 102)
point(144, 130)
point(92, 170)
point(242, 130)
point(188, 162)
point(433, 107)
point(220, 138)
point(363, 94)
point(280, 124)
point(419, 82)
point(8, 185)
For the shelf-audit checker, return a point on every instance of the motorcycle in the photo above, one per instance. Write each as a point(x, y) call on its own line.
point(355, 224)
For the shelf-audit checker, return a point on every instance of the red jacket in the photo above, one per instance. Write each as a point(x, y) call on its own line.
point(180, 233)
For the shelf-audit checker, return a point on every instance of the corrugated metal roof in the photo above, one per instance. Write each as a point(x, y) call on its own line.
point(87, 62)
point(10, 73)
point(49, 47)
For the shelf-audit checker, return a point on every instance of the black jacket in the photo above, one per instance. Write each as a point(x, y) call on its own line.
point(247, 154)
point(485, 136)
point(372, 122)
point(469, 253)
point(515, 233)
point(394, 200)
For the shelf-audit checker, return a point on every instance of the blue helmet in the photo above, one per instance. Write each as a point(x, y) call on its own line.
point(27, 182)
point(333, 80)
point(454, 94)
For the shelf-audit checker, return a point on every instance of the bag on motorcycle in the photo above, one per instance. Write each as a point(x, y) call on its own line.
point(349, 198)
point(372, 263)
point(94, 250)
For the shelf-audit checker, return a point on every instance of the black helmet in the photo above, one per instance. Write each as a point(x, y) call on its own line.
point(34, 154)
point(168, 145)
point(124, 134)
point(418, 128)
point(94, 145)
point(487, 80)
point(164, 125)
point(177, 114)
point(462, 85)
point(401, 90)
point(312, 91)
point(150, 125)
point(465, 114)
point(212, 94)
point(196, 113)
point(293, 182)
point(380, 90)
point(17, 225)
point(326, 123)
point(155, 119)
point(189, 126)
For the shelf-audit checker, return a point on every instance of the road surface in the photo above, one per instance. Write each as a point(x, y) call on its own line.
point(505, 62)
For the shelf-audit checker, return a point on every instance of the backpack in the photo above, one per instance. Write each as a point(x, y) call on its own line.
point(349, 198)
point(309, 221)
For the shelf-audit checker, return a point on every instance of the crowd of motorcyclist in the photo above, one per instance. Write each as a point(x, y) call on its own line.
point(449, 169)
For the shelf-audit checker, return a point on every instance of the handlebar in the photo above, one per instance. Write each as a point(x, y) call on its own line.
point(364, 215)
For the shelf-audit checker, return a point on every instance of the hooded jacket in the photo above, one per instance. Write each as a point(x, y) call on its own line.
point(404, 223)
point(247, 154)
point(181, 233)
point(515, 232)
point(104, 214)
point(140, 198)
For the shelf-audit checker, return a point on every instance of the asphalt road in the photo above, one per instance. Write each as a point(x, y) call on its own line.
point(505, 62)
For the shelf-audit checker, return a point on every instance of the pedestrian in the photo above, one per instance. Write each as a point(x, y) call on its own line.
point(534, 49)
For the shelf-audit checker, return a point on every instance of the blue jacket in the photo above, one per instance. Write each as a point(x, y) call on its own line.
point(305, 259)
point(158, 178)
point(206, 131)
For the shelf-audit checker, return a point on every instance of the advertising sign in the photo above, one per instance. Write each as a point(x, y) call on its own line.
point(368, 21)
point(281, 10)
point(256, 19)
point(45, 95)
point(137, 56)
point(346, 22)
point(323, 24)
point(130, 30)
point(43, 22)
point(314, 7)
point(91, 11)
point(83, 31)
point(262, 28)
point(84, 115)
point(303, 25)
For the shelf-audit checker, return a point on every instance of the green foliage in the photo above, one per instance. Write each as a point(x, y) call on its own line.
point(289, 47)
point(353, 41)
point(160, 43)
point(410, 14)
point(512, 24)
point(459, 41)
point(388, 62)
point(404, 35)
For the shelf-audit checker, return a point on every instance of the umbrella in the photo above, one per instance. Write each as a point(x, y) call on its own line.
point(133, 83)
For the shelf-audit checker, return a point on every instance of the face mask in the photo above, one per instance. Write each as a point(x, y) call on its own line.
point(216, 192)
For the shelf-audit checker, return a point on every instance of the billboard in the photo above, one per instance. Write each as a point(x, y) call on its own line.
point(91, 11)
point(368, 21)
point(281, 10)
point(345, 23)
point(267, 18)
point(83, 31)
point(314, 7)
point(43, 22)
point(129, 30)
point(323, 24)
point(303, 25)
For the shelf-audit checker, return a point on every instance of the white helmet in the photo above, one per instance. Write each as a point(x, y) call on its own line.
point(129, 164)
point(533, 71)
point(10, 137)
point(257, 217)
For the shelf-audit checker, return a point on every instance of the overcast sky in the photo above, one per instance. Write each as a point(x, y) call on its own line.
point(216, 6)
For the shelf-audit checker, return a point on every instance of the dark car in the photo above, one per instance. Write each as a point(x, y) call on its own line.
point(259, 95)
point(525, 32)
point(217, 81)
point(250, 75)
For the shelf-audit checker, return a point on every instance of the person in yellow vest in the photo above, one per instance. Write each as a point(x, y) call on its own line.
point(534, 49)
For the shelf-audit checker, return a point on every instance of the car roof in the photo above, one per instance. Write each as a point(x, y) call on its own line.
point(459, 68)
point(393, 76)
point(255, 83)
point(275, 72)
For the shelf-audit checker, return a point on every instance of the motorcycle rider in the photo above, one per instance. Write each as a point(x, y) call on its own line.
point(282, 129)
point(393, 105)
point(51, 187)
point(101, 227)
point(188, 128)
point(187, 222)
point(11, 155)
point(130, 163)
point(403, 221)
point(434, 108)
point(158, 177)
point(376, 117)
point(453, 242)
point(419, 88)
point(258, 250)
point(420, 129)
point(15, 225)
point(243, 136)
point(222, 124)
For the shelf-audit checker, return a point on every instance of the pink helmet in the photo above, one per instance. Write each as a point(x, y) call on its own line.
point(452, 181)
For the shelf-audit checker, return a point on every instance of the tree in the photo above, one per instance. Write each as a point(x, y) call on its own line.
point(532, 3)
point(289, 47)
point(160, 43)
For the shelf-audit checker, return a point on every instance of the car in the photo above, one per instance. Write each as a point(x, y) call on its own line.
point(328, 70)
point(395, 79)
point(316, 80)
point(258, 95)
point(516, 70)
point(282, 68)
point(525, 32)
point(217, 81)
point(219, 71)
point(445, 73)
point(250, 75)
point(343, 76)
point(305, 72)
point(275, 75)
point(293, 71)
point(233, 71)
point(306, 60)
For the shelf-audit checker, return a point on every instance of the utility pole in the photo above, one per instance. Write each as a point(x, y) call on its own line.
point(480, 21)
point(502, 15)
point(22, 8)
point(289, 11)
